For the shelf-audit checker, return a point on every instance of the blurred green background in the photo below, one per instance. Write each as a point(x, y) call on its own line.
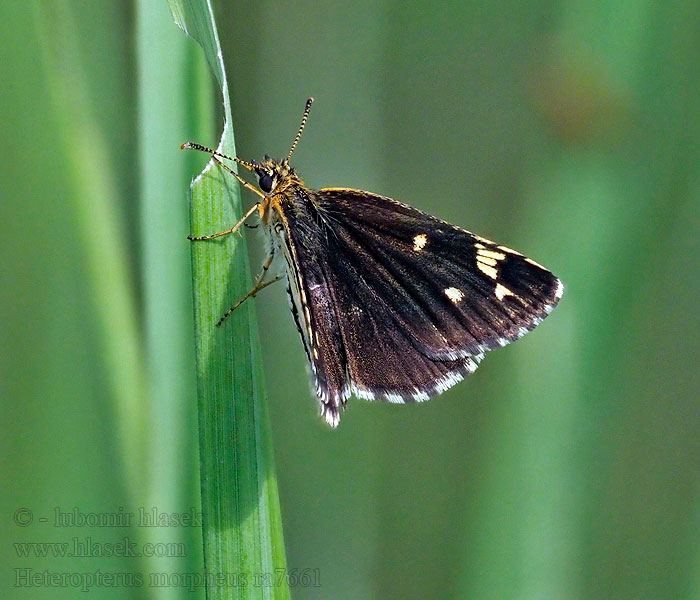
point(568, 466)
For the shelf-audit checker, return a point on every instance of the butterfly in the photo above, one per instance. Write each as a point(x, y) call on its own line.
point(391, 303)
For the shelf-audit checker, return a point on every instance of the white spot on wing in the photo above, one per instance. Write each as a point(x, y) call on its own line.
point(486, 260)
point(487, 269)
point(454, 294)
point(502, 291)
point(483, 252)
point(419, 242)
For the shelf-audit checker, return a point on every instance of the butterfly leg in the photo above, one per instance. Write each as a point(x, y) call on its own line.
point(233, 229)
point(242, 181)
point(259, 285)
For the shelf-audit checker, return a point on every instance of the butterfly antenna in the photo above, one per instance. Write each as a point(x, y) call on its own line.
point(194, 146)
point(304, 117)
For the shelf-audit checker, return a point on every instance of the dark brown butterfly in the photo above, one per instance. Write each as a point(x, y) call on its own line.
point(391, 303)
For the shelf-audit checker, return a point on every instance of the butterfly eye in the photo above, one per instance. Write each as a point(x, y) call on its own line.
point(265, 182)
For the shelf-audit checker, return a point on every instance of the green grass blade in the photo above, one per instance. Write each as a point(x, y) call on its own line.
point(169, 112)
point(242, 528)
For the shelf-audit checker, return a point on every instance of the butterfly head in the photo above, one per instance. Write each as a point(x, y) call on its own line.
point(271, 173)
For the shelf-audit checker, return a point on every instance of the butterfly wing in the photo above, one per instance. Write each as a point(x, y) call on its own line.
point(397, 305)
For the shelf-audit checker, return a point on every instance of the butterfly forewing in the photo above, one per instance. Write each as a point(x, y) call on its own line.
point(457, 294)
point(395, 304)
